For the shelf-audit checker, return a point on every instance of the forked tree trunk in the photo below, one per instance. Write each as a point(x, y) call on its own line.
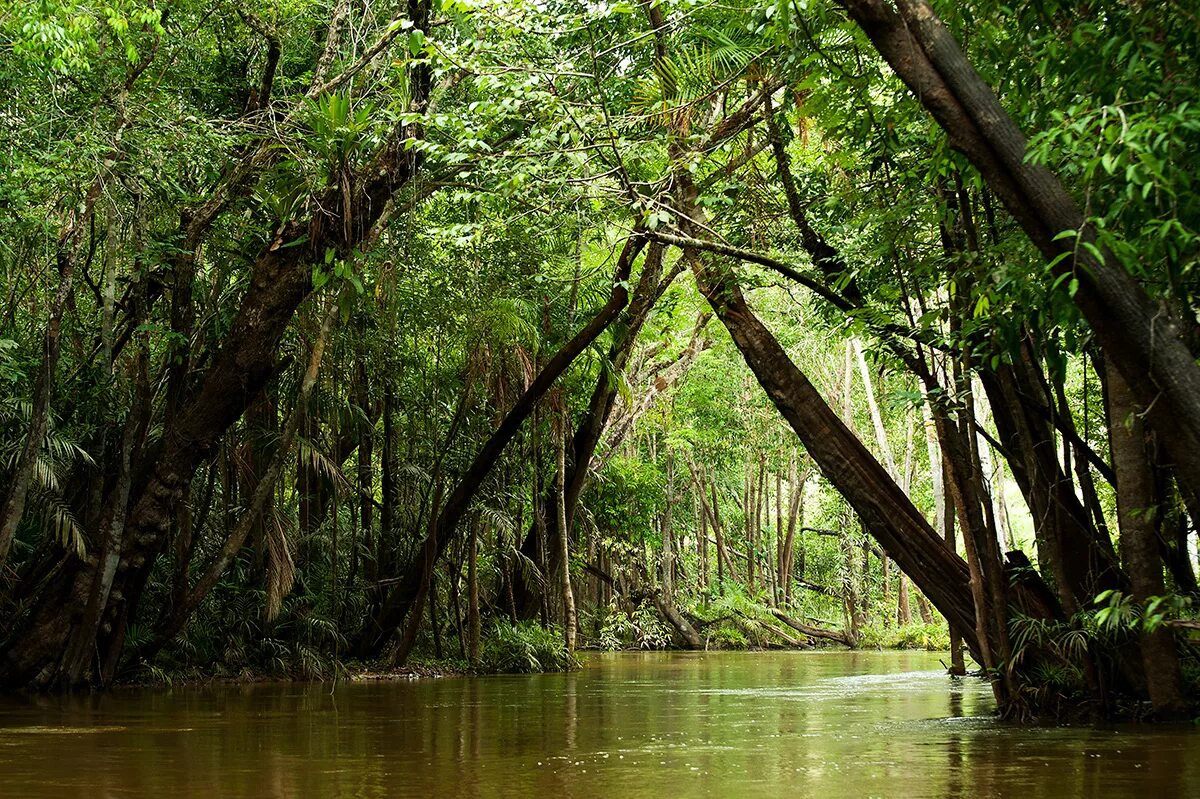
point(1069, 547)
point(253, 513)
point(280, 281)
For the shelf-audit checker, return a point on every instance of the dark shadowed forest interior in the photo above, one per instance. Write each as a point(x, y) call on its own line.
point(347, 340)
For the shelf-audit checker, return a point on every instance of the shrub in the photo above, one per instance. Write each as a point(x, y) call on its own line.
point(524, 649)
point(728, 636)
point(931, 637)
point(642, 629)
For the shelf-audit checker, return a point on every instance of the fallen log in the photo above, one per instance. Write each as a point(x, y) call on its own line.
point(810, 631)
point(640, 592)
point(676, 620)
point(796, 642)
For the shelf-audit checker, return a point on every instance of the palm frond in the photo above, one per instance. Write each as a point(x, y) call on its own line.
point(281, 567)
point(531, 575)
point(58, 520)
point(497, 518)
point(322, 463)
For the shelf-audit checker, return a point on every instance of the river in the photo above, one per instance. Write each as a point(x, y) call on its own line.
point(653, 725)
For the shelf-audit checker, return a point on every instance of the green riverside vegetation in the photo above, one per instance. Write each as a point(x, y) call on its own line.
point(469, 334)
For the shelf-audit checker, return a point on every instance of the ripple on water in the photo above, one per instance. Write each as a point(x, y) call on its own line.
point(37, 730)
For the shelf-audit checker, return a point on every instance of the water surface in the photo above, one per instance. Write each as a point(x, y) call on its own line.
point(659, 725)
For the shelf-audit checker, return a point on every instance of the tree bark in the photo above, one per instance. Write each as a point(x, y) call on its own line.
point(890, 516)
point(280, 280)
point(563, 538)
point(1137, 516)
point(250, 517)
point(80, 649)
point(1143, 340)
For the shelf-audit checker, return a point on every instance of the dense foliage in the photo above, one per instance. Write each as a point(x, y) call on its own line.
point(347, 333)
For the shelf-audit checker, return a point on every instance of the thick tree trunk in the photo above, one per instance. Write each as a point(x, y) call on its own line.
point(1143, 340)
point(263, 493)
point(846, 463)
point(81, 647)
point(889, 515)
point(1139, 543)
point(280, 281)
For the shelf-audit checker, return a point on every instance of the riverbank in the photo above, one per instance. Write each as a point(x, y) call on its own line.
point(526, 649)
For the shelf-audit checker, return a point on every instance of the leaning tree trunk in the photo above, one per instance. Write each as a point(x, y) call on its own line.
point(889, 515)
point(1143, 340)
point(846, 463)
point(263, 492)
point(280, 280)
point(414, 582)
point(651, 285)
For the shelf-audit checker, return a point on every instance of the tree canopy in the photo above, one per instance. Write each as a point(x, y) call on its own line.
point(340, 332)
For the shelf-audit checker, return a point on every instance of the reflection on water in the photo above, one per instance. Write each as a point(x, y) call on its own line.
point(824, 724)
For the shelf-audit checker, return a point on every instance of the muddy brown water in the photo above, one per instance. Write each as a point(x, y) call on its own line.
point(653, 726)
